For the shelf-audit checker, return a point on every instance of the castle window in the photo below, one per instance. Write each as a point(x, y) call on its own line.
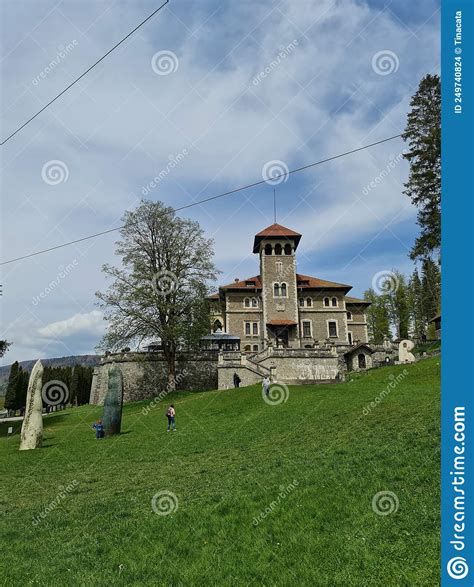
point(255, 348)
point(268, 249)
point(255, 328)
point(334, 302)
point(279, 267)
point(332, 329)
point(326, 302)
point(247, 329)
point(247, 348)
point(254, 303)
point(247, 303)
point(287, 249)
point(302, 302)
point(283, 290)
point(278, 249)
point(349, 337)
point(217, 326)
point(309, 302)
point(349, 315)
point(306, 328)
point(276, 290)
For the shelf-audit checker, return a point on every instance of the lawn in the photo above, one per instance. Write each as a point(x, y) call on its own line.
point(261, 494)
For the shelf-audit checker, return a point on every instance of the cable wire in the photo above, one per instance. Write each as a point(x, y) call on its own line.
point(198, 203)
point(85, 73)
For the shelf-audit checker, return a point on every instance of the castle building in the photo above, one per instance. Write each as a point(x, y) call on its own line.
point(284, 309)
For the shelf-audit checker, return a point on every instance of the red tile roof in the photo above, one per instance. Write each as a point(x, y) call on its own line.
point(350, 300)
point(303, 282)
point(275, 231)
point(243, 284)
point(308, 282)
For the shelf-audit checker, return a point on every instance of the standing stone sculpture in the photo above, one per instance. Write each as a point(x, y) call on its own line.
point(112, 416)
point(32, 428)
point(404, 354)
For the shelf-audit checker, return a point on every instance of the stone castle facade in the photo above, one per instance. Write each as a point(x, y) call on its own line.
point(283, 309)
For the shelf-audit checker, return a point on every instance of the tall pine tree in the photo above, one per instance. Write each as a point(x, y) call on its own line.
point(423, 134)
point(415, 297)
point(397, 302)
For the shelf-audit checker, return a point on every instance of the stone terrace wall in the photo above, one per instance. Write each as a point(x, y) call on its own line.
point(145, 375)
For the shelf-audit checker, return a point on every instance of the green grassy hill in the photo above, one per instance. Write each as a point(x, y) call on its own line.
point(266, 494)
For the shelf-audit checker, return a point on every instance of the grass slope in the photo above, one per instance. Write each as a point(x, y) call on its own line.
point(227, 463)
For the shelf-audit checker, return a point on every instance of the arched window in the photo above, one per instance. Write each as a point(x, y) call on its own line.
point(255, 348)
point(287, 249)
point(278, 249)
point(247, 303)
point(247, 348)
point(349, 315)
point(268, 249)
point(334, 302)
point(283, 290)
point(302, 302)
point(217, 326)
point(276, 290)
point(254, 303)
point(326, 302)
point(309, 302)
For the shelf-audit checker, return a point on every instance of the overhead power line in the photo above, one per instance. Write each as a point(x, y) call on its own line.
point(85, 73)
point(209, 199)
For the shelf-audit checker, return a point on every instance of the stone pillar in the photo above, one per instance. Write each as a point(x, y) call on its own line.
point(32, 428)
point(112, 416)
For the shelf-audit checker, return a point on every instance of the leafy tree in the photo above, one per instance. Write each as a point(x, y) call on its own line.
point(158, 292)
point(4, 347)
point(378, 319)
point(423, 134)
point(397, 303)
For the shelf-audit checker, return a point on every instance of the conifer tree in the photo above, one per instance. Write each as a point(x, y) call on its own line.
point(11, 402)
point(378, 319)
point(423, 134)
point(418, 319)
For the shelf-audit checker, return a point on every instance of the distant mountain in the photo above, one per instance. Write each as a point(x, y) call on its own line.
point(83, 360)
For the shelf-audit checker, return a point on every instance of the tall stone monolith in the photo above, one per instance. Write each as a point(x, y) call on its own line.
point(32, 428)
point(112, 415)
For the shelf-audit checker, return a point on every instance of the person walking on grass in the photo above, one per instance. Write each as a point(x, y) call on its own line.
point(170, 414)
point(266, 385)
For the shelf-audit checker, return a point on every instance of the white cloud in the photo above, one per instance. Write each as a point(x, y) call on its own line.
point(91, 324)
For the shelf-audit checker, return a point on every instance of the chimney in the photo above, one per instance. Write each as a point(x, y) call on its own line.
point(236, 280)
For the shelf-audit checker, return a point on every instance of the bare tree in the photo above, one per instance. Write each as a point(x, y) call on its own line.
point(160, 289)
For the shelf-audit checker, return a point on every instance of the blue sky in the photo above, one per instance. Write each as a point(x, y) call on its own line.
point(323, 91)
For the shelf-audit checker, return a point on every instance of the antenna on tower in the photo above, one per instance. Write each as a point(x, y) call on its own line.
point(274, 206)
